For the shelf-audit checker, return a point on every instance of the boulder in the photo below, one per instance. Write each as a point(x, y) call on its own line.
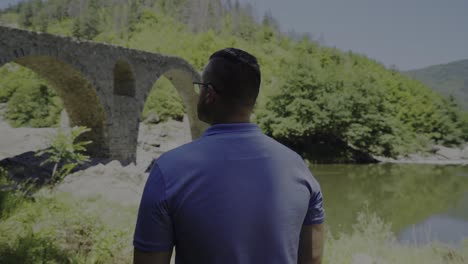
point(360, 258)
point(448, 153)
point(464, 152)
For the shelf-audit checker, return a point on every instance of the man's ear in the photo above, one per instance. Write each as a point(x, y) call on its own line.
point(210, 96)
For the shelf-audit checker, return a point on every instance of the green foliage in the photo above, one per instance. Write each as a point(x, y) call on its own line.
point(13, 77)
point(30, 100)
point(308, 92)
point(55, 228)
point(87, 26)
point(26, 15)
point(33, 104)
point(12, 194)
point(65, 152)
point(322, 98)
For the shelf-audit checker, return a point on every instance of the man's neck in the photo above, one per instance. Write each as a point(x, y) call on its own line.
point(244, 119)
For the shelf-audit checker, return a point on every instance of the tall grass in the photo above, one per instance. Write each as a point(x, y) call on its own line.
point(57, 228)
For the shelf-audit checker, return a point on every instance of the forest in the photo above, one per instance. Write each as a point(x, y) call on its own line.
point(311, 94)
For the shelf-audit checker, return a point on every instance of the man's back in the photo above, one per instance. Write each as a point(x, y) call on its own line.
point(233, 196)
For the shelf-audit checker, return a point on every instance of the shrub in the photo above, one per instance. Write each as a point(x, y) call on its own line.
point(34, 105)
point(65, 153)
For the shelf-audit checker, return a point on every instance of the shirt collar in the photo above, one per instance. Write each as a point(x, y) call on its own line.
point(231, 128)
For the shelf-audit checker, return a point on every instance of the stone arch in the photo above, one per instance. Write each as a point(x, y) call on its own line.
point(124, 79)
point(79, 97)
point(182, 75)
point(182, 78)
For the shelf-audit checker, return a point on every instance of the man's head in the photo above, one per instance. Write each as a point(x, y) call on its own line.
point(231, 85)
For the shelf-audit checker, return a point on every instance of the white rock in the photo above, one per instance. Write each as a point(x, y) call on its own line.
point(449, 153)
point(360, 258)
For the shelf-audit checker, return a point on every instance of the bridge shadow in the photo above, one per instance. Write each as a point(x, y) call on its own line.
point(28, 168)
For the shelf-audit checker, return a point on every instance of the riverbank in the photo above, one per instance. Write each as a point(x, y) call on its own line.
point(439, 155)
point(157, 137)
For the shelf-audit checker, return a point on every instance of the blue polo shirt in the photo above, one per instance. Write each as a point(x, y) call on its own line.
point(234, 195)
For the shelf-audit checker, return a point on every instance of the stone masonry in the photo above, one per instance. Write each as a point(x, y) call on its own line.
point(103, 87)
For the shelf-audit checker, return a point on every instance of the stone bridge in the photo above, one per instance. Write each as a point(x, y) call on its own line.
point(103, 87)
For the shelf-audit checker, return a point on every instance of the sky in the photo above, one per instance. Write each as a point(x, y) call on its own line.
point(5, 3)
point(408, 34)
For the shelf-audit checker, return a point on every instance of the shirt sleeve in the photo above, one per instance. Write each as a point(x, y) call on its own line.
point(315, 212)
point(153, 231)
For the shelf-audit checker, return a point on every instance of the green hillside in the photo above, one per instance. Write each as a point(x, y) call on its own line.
point(449, 79)
point(311, 95)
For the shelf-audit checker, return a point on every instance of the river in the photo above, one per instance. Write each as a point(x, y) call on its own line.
point(422, 203)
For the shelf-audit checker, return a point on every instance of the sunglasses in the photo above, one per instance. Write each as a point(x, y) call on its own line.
point(200, 85)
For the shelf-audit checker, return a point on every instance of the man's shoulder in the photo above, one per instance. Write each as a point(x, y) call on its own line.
point(283, 149)
point(196, 152)
point(181, 153)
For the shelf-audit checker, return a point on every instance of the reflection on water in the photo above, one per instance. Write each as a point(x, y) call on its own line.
point(410, 197)
point(436, 228)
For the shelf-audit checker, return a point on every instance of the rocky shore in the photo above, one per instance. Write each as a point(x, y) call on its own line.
point(438, 155)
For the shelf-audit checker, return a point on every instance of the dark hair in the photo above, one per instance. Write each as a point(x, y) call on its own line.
point(240, 76)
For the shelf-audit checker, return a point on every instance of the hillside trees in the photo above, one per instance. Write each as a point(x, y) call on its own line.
point(323, 98)
point(87, 25)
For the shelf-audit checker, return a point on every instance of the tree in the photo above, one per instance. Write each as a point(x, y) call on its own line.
point(26, 15)
point(87, 24)
point(133, 15)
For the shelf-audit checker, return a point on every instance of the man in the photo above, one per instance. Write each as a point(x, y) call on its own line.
point(235, 195)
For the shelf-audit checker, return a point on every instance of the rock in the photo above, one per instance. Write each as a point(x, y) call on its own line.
point(155, 144)
point(152, 118)
point(448, 153)
point(64, 119)
point(360, 258)
point(112, 181)
point(464, 152)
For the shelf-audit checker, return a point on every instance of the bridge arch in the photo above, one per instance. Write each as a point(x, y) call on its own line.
point(124, 79)
point(182, 75)
point(79, 97)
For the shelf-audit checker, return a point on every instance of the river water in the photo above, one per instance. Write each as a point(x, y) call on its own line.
point(422, 203)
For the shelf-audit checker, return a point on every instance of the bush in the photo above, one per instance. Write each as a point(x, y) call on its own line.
point(321, 98)
point(56, 228)
point(12, 194)
point(65, 152)
point(35, 105)
point(30, 100)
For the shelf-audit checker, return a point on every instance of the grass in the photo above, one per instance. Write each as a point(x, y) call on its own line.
point(55, 227)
